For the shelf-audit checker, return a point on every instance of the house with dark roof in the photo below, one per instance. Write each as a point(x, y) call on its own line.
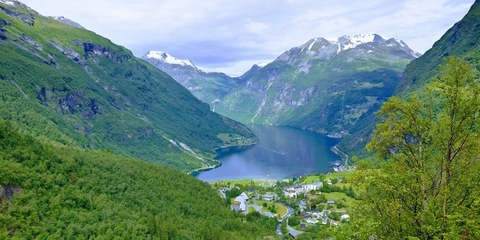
point(303, 226)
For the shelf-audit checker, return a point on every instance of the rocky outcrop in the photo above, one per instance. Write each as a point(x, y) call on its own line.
point(28, 18)
point(99, 50)
point(74, 102)
point(3, 31)
point(7, 191)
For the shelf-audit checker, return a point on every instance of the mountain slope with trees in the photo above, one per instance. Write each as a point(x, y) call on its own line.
point(70, 85)
point(52, 191)
point(461, 40)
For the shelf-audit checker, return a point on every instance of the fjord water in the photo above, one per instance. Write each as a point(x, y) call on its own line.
point(283, 152)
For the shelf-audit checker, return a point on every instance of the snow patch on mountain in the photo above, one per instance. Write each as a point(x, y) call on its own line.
point(67, 21)
point(311, 44)
point(167, 58)
point(8, 2)
point(349, 42)
point(263, 64)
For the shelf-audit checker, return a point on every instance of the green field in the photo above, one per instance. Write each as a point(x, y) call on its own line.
point(281, 210)
point(245, 182)
point(316, 178)
point(338, 196)
point(311, 179)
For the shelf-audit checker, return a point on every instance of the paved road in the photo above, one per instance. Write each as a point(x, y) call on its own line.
point(289, 213)
point(260, 210)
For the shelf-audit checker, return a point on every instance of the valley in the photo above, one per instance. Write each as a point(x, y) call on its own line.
point(98, 143)
point(327, 86)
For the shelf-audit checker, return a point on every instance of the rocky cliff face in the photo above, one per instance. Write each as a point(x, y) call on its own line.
point(7, 191)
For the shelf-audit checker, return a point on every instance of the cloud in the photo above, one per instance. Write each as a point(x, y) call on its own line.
point(230, 36)
point(256, 27)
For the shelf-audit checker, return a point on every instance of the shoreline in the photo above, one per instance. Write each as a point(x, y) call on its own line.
point(236, 147)
point(219, 163)
point(204, 169)
point(341, 154)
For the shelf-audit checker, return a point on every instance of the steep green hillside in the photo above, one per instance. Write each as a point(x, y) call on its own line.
point(73, 86)
point(462, 40)
point(50, 191)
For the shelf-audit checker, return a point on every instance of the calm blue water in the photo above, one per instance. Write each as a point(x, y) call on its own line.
point(282, 153)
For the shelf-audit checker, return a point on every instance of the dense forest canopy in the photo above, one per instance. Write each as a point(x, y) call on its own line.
point(63, 192)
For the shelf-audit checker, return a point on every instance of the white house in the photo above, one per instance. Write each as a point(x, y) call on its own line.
point(241, 201)
point(344, 217)
point(312, 186)
point(312, 220)
point(290, 192)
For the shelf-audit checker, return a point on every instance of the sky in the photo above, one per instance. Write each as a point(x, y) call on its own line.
point(231, 35)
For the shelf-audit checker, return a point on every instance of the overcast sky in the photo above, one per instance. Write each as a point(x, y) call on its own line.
point(232, 35)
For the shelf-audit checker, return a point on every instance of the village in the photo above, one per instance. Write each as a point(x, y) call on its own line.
point(301, 205)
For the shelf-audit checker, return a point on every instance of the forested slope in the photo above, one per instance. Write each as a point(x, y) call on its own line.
point(73, 86)
point(461, 40)
point(62, 192)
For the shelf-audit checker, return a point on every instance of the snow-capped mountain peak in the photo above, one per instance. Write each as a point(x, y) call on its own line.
point(359, 38)
point(167, 58)
point(347, 42)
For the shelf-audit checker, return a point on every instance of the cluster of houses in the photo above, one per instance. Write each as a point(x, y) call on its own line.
point(315, 216)
point(308, 217)
point(300, 189)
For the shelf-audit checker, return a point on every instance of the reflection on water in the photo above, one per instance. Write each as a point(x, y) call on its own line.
point(282, 153)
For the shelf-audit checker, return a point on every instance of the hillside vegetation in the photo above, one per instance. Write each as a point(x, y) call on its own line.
point(70, 85)
point(62, 192)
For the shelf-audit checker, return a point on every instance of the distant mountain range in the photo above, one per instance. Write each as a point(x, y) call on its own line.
point(328, 86)
point(208, 87)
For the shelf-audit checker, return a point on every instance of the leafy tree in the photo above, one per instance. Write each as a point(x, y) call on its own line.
point(283, 228)
point(423, 182)
point(293, 221)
